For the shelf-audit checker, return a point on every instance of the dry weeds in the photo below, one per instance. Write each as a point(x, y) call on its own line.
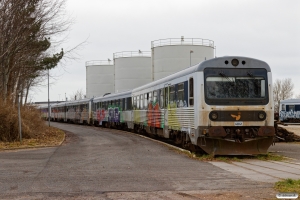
point(35, 132)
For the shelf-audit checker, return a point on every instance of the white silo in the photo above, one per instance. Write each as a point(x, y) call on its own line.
point(132, 69)
point(175, 54)
point(99, 78)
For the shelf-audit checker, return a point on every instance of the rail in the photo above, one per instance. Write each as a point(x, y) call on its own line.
point(132, 54)
point(99, 62)
point(182, 41)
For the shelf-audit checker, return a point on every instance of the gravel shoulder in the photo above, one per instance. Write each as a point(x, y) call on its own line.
point(292, 128)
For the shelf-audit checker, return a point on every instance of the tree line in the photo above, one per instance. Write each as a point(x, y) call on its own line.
point(282, 89)
point(27, 50)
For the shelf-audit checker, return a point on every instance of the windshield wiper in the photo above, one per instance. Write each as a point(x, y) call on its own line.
point(253, 78)
point(224, 75)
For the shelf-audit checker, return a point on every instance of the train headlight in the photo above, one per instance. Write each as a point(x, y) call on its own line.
point(235, 62)
point(261, 115)
point(213, 116)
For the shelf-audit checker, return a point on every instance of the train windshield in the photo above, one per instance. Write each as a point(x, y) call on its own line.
point(237, 86)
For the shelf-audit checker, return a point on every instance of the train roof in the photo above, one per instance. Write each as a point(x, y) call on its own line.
point(108, 97)
point(220, 63)
point(290, 101)
point(214, 62)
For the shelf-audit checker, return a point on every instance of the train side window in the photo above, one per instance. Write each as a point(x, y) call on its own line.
point(150, 97)
point(291, 107)
point(141, 101)
point(129, 105)
point(123, 104)
point(172, 94)
point(191, 91)
point(138, 102)
point(161, 98)
point(155, 97)
point(166, 98)
point(146, 101)
point(180, 95)
point(134, 103)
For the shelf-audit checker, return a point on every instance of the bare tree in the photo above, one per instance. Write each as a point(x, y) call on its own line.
point(282, 89)
point(78, 95)
point(25, 44)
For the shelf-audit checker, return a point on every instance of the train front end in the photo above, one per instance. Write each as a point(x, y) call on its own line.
point(235, 107)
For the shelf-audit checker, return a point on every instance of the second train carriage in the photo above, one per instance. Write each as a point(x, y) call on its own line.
point(113, 110)
point(289, 110)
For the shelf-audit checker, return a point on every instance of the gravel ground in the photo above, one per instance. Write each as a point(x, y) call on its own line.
point(292, 128)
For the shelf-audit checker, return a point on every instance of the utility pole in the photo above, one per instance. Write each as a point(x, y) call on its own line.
point(48, 101)
point(20, 122)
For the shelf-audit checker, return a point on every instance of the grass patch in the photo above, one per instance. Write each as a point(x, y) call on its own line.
point(228, 158)
point(49, 137)
point(270, 156)
point(288, 185)
point(206, 157)
point(265, 157)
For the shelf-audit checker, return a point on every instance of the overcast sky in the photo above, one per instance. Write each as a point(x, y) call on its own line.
point(268, 30)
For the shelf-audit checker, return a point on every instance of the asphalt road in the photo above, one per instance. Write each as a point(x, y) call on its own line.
point(96, 163)
point(291, 150)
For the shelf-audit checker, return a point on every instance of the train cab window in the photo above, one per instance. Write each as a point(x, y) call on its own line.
point(191, 92)
point(283, 107)
point(172, 94)
point(161, 100)
point(155, 97)
point(180, 95)
point(138, 102)
point(146, 101)
point(141, 101)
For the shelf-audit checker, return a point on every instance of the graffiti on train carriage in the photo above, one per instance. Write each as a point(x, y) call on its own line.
point(154, 115)
point(285, 115)
point(100, 115)
point(114, 114)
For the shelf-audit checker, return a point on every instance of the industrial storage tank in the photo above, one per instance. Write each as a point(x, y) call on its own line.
point(175, 54)
point(132, 69)
point(99, 78)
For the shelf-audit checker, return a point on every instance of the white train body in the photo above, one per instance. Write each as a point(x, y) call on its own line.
point(222, 105)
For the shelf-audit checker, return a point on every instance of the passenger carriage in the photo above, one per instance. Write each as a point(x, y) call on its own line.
point(113, 110)
point(79, 111)
point(289, 110)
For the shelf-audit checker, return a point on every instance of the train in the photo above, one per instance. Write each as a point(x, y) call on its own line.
point(222, 106)
point(289, 110)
